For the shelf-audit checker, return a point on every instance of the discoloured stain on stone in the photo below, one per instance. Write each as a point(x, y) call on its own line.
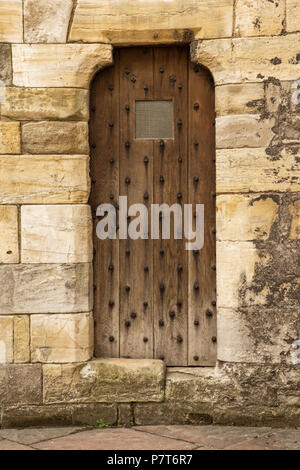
point(46, 20)
point(5, 64)
point(270, 301)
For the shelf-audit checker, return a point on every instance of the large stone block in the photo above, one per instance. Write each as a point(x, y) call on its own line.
point(295, 224)
point(21, 339)
point(46, 20)
point(246, 170)
point(259, 18)
point(239, 99)
point(249, 59)
point(32, 104)
point(147, 414)
point(245, 217)
point(58, 65)
point(21, 384)
point(9, 245)
point(235, 266)
point(154, 22)
point(292, 15)
point(46, 179)
point(59, 415)
point(10, 141)
point(62, 338)
point(56, 234)
point(11, 21)
point(244, 130)
point(55, 137)
point(105, 380)
point(5, 67)
point(6, 340)
point(257, 335)
point(50, 288)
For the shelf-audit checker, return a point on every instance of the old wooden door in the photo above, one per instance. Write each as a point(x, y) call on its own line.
point(152, 140)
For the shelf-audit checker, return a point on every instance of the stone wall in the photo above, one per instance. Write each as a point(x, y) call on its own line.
point(49, 52)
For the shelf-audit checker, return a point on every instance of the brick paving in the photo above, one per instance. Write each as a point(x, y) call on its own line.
point(151, 438)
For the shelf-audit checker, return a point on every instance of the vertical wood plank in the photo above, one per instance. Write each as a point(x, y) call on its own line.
point(136, 177)
point(170, 257)
point(201, 180)
point(104, 144)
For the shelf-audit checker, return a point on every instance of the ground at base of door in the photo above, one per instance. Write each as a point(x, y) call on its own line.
point(151, 438)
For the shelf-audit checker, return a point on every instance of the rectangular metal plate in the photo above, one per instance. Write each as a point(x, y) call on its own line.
point(154, 119)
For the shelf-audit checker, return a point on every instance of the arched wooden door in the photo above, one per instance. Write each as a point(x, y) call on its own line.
point(152, 140)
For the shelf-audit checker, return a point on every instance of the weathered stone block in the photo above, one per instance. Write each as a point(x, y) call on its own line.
point(9, 246)
point(10, 141)
point(24, 384)
point(239, 99)
point(292, 15)
point(196, 384)
point(5, 67)
point(147, 414)
point(151, 22)
point(21, 384)
point(245, 217)
point(259, 18)
point(6, 340)
point(50, 288)
point(58, 415)
point(46, 179)
point(245, 170)
point(295, 225)
point(235, 265)
point(250, 59)
point(31, 104)
point(56, 234)
point(46, 20)
point(21, 339)
point(62, 338)
point(11, 21)
point(58, 65)
point(105, 380)
point(55, 137)
point(243, 130)
point(257, 335)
